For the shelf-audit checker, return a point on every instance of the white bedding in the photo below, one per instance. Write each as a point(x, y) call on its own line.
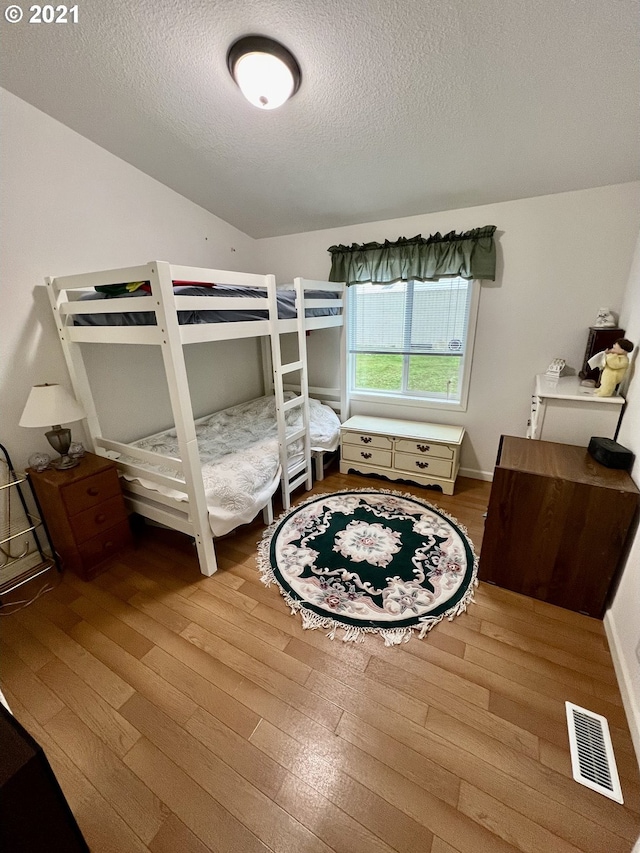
point(239, 454)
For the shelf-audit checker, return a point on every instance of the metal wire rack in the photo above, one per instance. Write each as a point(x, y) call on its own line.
point(25, 548)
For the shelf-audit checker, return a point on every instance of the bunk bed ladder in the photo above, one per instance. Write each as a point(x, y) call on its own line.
point(292, 475)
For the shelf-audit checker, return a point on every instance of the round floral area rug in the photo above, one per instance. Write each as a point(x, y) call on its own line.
point(370, 561)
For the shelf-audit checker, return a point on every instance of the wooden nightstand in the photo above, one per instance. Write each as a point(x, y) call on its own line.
point(84, 512)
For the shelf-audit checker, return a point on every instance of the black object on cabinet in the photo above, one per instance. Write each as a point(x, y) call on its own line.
point(34, 814)
point(598, 340)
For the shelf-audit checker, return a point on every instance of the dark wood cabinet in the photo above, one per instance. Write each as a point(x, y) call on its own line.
point(598, 340)
point(84, 512)
point(557, 524)
point(34, 814)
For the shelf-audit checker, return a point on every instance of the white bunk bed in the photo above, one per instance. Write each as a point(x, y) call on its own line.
point(169, 489)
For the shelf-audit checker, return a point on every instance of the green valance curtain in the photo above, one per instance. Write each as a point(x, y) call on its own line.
point(469, 255)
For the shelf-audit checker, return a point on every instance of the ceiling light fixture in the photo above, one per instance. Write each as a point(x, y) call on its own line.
point(266, 72)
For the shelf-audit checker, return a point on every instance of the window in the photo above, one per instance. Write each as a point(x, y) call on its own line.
point(412, 340)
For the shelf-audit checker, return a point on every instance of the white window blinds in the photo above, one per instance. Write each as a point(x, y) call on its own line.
point(410, 318)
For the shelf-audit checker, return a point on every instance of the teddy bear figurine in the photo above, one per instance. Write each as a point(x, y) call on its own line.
point(616, 364)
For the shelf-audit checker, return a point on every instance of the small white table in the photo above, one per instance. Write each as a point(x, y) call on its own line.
point(562, 410)
point(426, 454)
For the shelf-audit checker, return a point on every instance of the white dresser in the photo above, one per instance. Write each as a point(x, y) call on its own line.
point(564, 411)
point(427, 454)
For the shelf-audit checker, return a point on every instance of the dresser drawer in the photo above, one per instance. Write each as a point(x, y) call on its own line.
point(420, 464)
point(424, 448)
point(364, 440)
point(90, 491)
point(370, 455)
point(107, 543)
point(98, 518)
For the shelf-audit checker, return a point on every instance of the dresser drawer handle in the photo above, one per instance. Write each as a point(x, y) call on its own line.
point(423, 448)
point(365, 439)
point(100, 518)
point(366, 455)
point(108, 545)
point(93, 491)
point(422, 464)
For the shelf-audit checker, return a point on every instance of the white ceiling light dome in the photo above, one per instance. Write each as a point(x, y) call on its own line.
point(266, 72)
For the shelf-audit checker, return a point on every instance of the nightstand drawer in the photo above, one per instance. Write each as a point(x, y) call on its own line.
point(435, 467)
point(98, 549)
point(90, 491)
point(368, 455)
point(424, 448)
point(92, 521)
point(364, 440)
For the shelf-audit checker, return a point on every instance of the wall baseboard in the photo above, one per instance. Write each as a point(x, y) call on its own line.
point(629, 701)
point(474, 474)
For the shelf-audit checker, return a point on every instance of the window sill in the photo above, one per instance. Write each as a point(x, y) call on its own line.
point(410, 402)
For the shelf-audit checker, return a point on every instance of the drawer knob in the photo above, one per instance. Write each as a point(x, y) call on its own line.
point(100, 518)
point(93, 491)
point(422, 464)
point(423, 448)
point(365, 455)
point(365, 439)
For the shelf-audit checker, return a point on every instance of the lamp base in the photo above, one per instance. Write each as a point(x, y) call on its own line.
point(64, 462)
point(60, 440)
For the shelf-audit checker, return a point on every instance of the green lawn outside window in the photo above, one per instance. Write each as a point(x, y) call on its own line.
point(437, 374)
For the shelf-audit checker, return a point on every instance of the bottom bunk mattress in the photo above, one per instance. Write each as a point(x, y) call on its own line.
point(238, 450)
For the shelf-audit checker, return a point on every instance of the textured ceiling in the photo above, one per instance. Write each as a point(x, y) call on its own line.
point(405, 107)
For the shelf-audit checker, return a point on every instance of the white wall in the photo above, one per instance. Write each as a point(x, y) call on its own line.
point(560, 258)
point(69, 206)
point(623, 618)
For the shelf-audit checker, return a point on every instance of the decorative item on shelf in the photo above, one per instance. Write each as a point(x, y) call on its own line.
point(39, 461)
point(599, 339)
point(76, 450)
point(52, 404)
point(605, 319)
point(556, 368)
point(615, 363)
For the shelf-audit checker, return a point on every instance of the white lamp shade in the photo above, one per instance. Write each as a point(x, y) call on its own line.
point(49, 405)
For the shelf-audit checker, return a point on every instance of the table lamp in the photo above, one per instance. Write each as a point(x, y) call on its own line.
point(52, 404)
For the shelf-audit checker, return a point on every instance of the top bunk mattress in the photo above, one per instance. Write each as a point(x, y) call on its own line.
point(286, 306)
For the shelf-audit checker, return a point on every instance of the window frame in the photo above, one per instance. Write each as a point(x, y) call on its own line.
point(394, 398)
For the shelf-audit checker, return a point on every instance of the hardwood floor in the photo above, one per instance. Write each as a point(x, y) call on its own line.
point(193, 714)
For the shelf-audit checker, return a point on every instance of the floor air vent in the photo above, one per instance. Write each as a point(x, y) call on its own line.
point(592, 758)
